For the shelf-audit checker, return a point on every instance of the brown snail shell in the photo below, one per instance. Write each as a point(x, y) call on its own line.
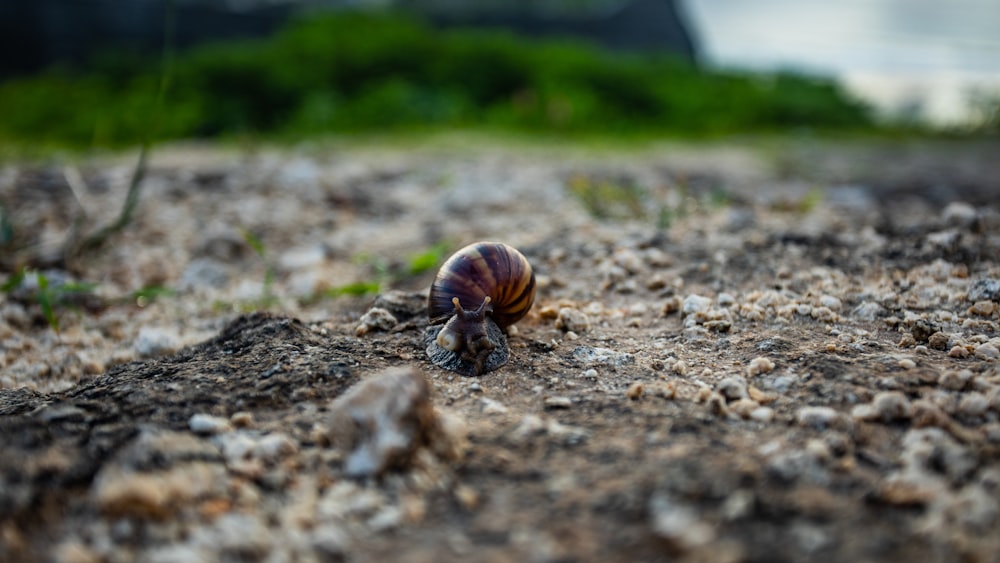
point(481, 290)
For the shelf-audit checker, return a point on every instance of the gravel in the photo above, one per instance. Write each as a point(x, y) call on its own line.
point(775, 358)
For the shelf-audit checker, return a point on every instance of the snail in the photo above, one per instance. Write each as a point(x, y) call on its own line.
point(479, 291)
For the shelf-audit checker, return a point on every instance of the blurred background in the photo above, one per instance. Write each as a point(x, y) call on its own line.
point(914, 59)
point(110, 72)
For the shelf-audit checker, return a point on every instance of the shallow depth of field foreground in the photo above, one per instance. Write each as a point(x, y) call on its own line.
point(759, 350)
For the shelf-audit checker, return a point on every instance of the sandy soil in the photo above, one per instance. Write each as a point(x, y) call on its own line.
point(778, 350)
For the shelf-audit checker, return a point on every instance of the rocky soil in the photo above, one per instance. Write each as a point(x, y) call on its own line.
point(752, 351)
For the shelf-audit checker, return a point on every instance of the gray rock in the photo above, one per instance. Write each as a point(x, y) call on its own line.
point(984, 289)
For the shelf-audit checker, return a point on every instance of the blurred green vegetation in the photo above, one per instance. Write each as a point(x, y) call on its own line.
point(356, 72)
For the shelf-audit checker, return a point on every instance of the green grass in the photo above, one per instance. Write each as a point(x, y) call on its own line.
point(50, 297)
point(352, 73)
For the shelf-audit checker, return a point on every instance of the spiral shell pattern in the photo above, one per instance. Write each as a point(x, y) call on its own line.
point(479, 270)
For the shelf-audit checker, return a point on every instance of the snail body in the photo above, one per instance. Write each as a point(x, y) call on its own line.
point(478, 293)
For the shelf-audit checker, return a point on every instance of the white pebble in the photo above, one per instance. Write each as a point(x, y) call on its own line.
point(973, 405)
point(154, 341)
point(830, 302)
point(695, 304)
point(959, 214)
point(679, 523)
point(274, 447)
point(987, 351)
point(572, 320)
point(818, 417)
point(207, 424)
point(868, 311)
point(558, 402)
point(733, 388)
point(492, 407)
point(891, 405)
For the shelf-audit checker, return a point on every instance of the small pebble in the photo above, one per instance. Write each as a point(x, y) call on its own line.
point(830, 302)
point(679, 523)
point(695, 304)
point(759, 365)
point(959, 214)
point(602, 356)
point(466, 496)
point(887, 406)
point(208, 424)
point(761, 396)
point(635, 391)
point(716, 404)
point(868, 311)
point(492, 407)
point(817, 417)
point(375, 318)
point(986, 289)
point(926, 413)
point(273, 447)
point(744, 407)
point(154, 341)
point(671, 305)
point(575, 320)
point(762, 414)
point(733, 388)
point(987, 351)
point(242, 419)
point(938, 341)
point(958, 352)
point(664, 390)
point(955, 380)
point(983, 308)
point(973, 405)
point(907, 363)
point(558, 402)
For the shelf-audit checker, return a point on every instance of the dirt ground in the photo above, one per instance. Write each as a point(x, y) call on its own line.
point(758, 350)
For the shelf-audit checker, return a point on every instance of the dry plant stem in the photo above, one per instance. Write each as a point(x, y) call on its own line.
point(128, 208)
point(98, 238)
point(78, 187)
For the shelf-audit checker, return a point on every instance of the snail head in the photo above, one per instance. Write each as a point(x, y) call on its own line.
point(465, 333)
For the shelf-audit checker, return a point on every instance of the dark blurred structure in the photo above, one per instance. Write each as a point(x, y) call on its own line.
point(35, 34)
point(629, 25)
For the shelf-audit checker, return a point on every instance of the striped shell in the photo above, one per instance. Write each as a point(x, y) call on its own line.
point(480, 270)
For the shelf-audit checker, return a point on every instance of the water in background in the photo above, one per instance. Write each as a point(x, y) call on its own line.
point(913, 59)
